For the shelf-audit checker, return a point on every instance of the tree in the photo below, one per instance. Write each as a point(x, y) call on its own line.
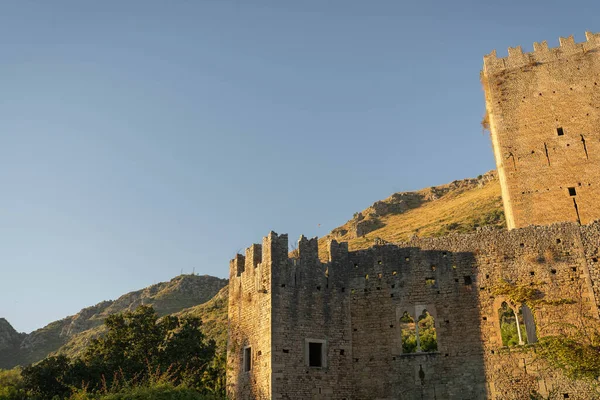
point(138, 349)
point(47, 378)
point(138, 344)
point(11, 385)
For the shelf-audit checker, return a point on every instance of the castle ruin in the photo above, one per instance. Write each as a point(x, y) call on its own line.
point(422, 319)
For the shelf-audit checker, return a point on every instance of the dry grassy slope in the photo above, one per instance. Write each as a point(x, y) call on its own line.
point(460, 206)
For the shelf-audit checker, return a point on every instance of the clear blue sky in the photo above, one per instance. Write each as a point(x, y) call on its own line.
point(142, 138)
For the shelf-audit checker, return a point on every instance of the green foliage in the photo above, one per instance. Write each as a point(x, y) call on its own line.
point(49, 378)
point(579, 358)
point(427, 333)
point(139, 350)
point(576, 352)
point(517, 294)
point(214, 377)
point(180, 293)
point(138, 342)
point(409, 335)
point(556, 302)
point(161, 391)
point(11, 385)
point(508, 326)
point(214, 317)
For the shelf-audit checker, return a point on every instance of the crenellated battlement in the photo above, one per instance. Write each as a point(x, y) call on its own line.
point(407, 260)
point(307, 251)
point(273, 254)
point(237, 266)
point(253, 256)
point(541, 53)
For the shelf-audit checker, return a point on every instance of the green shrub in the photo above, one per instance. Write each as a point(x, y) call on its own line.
point(162, 391)
point(11, 385)
point(139, 352)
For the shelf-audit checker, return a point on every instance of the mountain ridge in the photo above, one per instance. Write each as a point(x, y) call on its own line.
point(457, 207)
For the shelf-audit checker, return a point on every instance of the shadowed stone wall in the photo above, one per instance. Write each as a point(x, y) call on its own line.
point(353, 304)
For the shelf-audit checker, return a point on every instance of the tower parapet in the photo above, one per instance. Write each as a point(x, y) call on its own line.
point(253, 256)
point(272, 258)
point(275, 249)
point(543, 120)
point(541, 53)
point(308, 251)
point(237, 266)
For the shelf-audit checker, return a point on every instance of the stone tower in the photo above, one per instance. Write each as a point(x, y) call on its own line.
point(543, 110)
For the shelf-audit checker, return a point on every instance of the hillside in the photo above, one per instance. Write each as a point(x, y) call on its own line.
point(214, 317)
point(213, 314)
point(457, 207)
point(72, 333)
point(10, 340)
point(460, 206)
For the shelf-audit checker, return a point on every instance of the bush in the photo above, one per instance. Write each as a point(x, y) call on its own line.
point(48, 378)
point(164, 391)
point(139, 352)
point(11, 385)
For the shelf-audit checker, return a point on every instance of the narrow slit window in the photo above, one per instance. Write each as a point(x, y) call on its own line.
point(572, 191)
point(247, 359)
point(560, 131)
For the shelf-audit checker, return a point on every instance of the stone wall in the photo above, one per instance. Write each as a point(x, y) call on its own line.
point(250, 319)
point(544, 117)
point(353, 304)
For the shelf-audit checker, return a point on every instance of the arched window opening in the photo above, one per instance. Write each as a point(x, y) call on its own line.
point(409, 333)
point(426, 334)
point(512, 326)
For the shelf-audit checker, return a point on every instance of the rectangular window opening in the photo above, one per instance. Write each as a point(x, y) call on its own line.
point(468, 280)
point(247, 359)
point(572, 191)
point(315, 354)
point(560, 131)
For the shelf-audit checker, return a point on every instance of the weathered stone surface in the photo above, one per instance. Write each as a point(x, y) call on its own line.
point(544, 120)
point(355, 301)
